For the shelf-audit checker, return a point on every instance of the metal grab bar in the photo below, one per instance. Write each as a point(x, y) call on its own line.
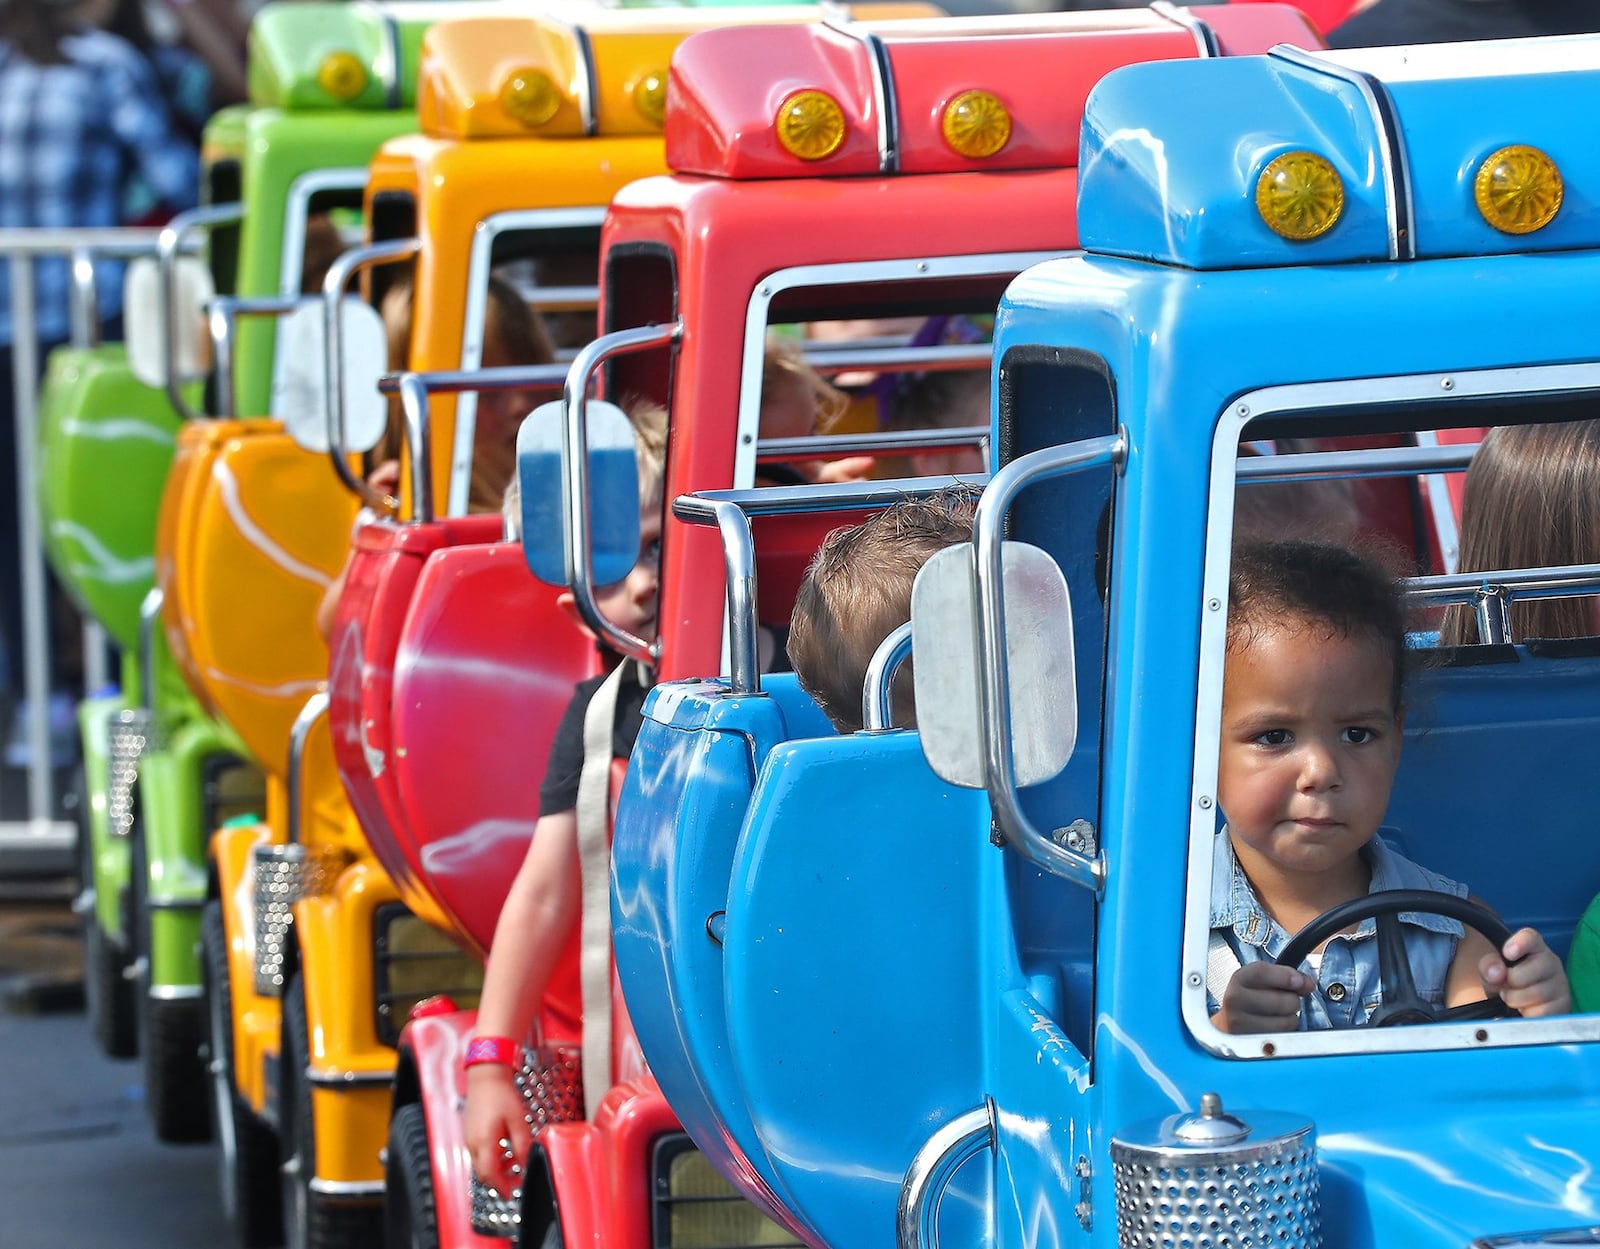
point(877, 692)
point(988, 533)
point(225, 310)
point(1367, 462)
point(952, 357)
point(149, 615)
point(730, 511)
point(818, 446)
point(168, 246)
point(414, 389)
point(930, 1172)
point(333, 287)
point(315, 708)
point(575, 477)
point(1492, 593)
point(84, 300)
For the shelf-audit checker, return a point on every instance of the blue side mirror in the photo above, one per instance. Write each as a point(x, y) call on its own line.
point(611, 470)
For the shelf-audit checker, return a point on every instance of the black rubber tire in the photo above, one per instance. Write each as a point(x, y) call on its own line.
point(107, 991)
point(169, 1034)
point(311, 1220)
point(247, 1149)
point(410, 1220)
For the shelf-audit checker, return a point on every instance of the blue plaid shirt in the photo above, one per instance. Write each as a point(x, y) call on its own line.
point(70, 136)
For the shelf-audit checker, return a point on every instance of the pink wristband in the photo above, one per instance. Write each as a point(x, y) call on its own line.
point(491, 1049)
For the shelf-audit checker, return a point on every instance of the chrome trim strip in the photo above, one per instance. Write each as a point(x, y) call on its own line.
point(586, 81)
point(1560, 1238)
point(346, 1079)
point(347, 1188)
point(475, 315)
point(388, 62)
point(170, 902)
point(175, 992)
point(1391, 150)
point(930, 1172)
point(1412, 390)
point(877, 703)
point(1205, 39)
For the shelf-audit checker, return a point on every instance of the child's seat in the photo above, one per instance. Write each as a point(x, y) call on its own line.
point(106, 442)
point(252, 533)
point(754, 849)
point(484, 667)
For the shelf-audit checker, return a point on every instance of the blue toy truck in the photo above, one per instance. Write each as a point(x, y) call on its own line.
point(968, 999)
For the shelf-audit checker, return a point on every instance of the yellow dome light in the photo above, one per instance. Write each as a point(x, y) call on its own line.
point(1518, 189)
point(530, 97)
point(342, 75)
point(650, 96)
point(810, 125)
point(976, 124)
point(1300, 195)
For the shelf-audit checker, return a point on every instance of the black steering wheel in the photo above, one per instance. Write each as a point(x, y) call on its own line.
point(1401, 1004)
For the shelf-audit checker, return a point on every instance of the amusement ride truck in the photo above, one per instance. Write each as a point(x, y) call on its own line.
point(1301, 245)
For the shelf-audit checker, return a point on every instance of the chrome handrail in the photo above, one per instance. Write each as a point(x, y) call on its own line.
point(819, 446)
point(988, 533)
point(333, 287)
point(414, 389)
point(930, 1173)
point(730, 511)
point(168, 245)
point(1365, 462)
point(149, 614)
point(225, 310)
point(877, 692)
point(85, 300)
point(315, 708)
point(1491, 594)
point(575, 478)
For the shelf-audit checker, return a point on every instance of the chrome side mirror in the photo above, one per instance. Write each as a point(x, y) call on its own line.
point(300, 391)
point(613, 488)
point(1036, 669)
point(143, 313)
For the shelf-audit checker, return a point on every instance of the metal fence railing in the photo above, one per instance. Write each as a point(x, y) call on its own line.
point(40, 841)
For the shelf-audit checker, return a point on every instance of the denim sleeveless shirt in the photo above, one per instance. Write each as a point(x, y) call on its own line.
point(1348, 987)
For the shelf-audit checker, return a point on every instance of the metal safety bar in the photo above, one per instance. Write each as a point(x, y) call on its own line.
point(877, 692)
point(225, 310)
point(1369, 462)
point(575, 478)
point(1491, 594)
point(848, 356)
point(149, 621)
point(819, 446)
point(333, 288)
point(414, 389)
point(42, 843)
point(294, 788)
point(730, 511)
point(994, 691)
point(930, 1173)
point(168, 247)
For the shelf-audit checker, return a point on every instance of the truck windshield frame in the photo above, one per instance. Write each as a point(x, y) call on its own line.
point(1419, 403)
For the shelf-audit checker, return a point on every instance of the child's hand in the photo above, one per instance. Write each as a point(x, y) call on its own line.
point(1263, 997)
point(385, 478)
point(851, 468)
point(1526, 974)
point(495, 1112)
